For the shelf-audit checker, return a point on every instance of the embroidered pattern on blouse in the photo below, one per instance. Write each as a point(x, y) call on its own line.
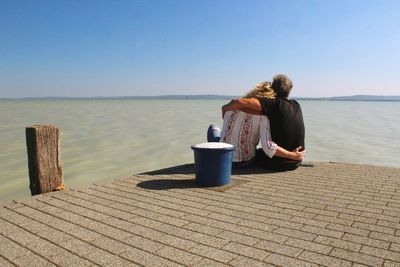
point(229, 128)
point(244, 138)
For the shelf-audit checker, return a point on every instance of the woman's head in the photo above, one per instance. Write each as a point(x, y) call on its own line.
point(262, 90)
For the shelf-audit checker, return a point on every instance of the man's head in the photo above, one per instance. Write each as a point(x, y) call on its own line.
point(282, 85)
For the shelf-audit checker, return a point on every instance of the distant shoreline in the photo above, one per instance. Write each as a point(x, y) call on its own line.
point(217, 97)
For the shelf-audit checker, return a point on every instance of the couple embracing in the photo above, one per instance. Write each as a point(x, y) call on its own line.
point(264, 114)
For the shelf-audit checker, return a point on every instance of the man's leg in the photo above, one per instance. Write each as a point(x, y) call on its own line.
point(244, 164)
point(213, 133)
point(274, 163)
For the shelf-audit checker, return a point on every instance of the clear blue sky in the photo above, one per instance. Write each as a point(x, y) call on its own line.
point(144, 47)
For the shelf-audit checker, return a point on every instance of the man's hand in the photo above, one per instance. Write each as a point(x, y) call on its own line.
point(297, 154)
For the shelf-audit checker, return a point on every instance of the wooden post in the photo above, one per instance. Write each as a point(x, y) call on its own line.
point(44, 159)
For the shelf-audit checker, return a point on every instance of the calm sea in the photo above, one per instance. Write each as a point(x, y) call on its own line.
point(105, 139)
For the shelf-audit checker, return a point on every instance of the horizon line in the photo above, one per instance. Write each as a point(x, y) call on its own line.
point(189, 96)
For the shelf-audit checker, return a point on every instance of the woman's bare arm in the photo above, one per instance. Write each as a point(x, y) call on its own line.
point(295, 154)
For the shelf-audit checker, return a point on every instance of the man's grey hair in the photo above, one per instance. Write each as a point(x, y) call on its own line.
point(282, 85)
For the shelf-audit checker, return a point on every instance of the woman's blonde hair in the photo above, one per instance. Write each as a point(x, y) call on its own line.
point(263, 90)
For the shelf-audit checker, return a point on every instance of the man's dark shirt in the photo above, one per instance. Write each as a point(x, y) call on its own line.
point(286, 119)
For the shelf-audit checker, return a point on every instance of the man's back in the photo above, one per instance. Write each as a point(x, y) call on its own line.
point(286, 118)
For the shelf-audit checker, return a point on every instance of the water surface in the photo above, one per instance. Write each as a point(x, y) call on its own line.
point(105, 139)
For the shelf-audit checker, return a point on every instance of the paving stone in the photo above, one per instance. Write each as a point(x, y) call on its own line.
point(230, 226)
point(258, 225)
point(358, 265)
point(7, 228)
point(209, 240)
point(140, 242)
point(348, 229)
point(200, 220)
point(279, 248)
point(245, 261)
point(23, 237)
point(323, 259)
point(45, 248)
point(388, 263)
point(387, 224)
point(295, 233)
point(11, 250)
point(395, 247)
point(381, 253)
point(118, 223)
point(295, 206)
point(13, 205)
point(322, 231)
point(356, 257)
point(169, 229)
point(259, 217)
point(321, 212)
point(223, 217)
point(78, 247)
point(247, 251)
point(385, 237)
point(213, 253)
point(357, 218)
point(176, 242)
point(391, 213)
point(375, 228)
point(280, 260)
point(338, 243)
point(284, 223)
point(180, 256)
point(32, 260)
point(147, 259)
point(204, 262)
point(278, 238)
point(311, 222)
point(63, 257)
point(397, 232)
point(307, 245)
point(366, 241)
point(81, 263)
point(330, 219)
point(104, 258)
point(231, 236)
point(380, 216)
point(36, 201)
point(34, 214)
point(362, 208)
point(203, 228)
point(55, 236)
point(5, 263)
point(36, 227)
point(84, 233)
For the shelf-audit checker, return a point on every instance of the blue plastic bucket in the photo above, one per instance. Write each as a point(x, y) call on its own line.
point(213, 163)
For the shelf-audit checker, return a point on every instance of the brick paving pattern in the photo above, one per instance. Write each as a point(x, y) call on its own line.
point(327, 215)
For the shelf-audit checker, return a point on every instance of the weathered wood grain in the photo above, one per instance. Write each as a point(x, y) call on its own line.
point(44, 159)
